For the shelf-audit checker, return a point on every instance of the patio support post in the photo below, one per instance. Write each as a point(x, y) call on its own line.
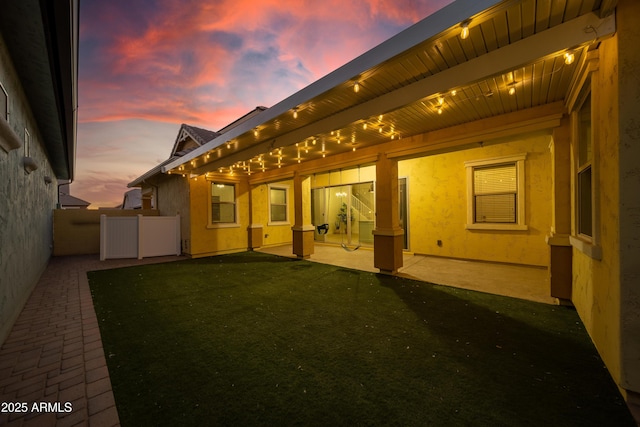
point(254, 231)
point(388, 237)
point(302, 228)
point(560, 253)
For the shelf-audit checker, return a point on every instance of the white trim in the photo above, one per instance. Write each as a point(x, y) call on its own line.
point(587, 85)
point(27, 142)
point(284, 187)
point(7, 96)
point(520, 224)
point(587, 248)
point(9, 140)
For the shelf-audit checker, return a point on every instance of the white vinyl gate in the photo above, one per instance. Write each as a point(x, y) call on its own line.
point(139, 236)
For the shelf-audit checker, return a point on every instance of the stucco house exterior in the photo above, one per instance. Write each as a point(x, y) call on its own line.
point(493, 130)
point(38, 93)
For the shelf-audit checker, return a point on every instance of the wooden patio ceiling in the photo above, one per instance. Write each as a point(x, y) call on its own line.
point(513, 59)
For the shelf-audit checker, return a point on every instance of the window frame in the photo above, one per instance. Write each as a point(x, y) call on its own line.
point(587, 81)
point(582, 167)
point(27, 143)
point(210, 222)
point(6, 94)
point(285, 188)
point(519, 161)
point(9, 139)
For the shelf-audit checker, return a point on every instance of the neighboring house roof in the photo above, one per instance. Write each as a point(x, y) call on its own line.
point(69, 201)
point(42, 38)
point(424, 79)
point(132, 199)
point(65, 199)
point(190, 137)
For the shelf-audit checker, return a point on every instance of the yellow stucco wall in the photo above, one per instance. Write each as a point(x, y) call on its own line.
point(596, 283)
point(273, 234)
point(206, 240)
point(438, 204)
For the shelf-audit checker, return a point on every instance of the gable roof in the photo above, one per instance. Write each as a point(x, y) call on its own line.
point(424, 79)
point(67, 200)
point(190, 137)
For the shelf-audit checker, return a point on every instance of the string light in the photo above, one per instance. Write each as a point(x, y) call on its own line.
point(464, 31)
point(356, 87)
point(295, 113)
point(569, 58)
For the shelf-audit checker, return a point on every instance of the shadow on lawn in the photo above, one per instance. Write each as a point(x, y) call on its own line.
point(241, 258)
point(532, 357)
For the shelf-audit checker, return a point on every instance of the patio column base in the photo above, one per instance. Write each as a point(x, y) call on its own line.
point(303, 241)
point(387, 250)
point(560, 267)
point(254, 232)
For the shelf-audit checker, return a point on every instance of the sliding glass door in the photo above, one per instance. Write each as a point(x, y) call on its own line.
point(344, 214)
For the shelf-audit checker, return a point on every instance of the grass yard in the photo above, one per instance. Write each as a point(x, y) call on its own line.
point(254, 339)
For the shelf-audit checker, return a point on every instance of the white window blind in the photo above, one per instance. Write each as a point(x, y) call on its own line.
point(495, 191)
point(278, 200)
point(223, 203)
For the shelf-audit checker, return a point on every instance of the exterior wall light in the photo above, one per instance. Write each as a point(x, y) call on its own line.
point(29, 164)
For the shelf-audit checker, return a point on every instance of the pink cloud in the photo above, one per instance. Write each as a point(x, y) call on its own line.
point(206, 64)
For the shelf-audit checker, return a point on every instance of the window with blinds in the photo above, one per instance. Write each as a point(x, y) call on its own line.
point(223, 203)
point(585, 159)
point(495, 192)
point(278, 204)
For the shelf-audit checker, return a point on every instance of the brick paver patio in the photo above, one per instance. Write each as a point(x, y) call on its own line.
point(53, 357)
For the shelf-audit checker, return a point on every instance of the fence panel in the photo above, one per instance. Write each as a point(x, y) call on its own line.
point(139, 237)
point(159, 236)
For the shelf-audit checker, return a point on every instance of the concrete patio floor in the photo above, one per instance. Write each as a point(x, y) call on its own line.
point(518, 281)
point(54, 352)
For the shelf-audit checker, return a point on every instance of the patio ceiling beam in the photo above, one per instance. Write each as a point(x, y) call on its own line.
point(569, 35)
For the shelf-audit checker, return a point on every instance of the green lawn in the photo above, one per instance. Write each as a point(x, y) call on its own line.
point(254, 339)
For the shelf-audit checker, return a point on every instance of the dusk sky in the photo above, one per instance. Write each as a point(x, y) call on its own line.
point(146, 66)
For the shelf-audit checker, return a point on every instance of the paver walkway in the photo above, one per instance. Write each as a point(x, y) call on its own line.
point(53, 357)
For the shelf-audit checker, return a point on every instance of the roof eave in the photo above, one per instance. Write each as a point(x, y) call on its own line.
point(42, 38)
point(439, 22)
